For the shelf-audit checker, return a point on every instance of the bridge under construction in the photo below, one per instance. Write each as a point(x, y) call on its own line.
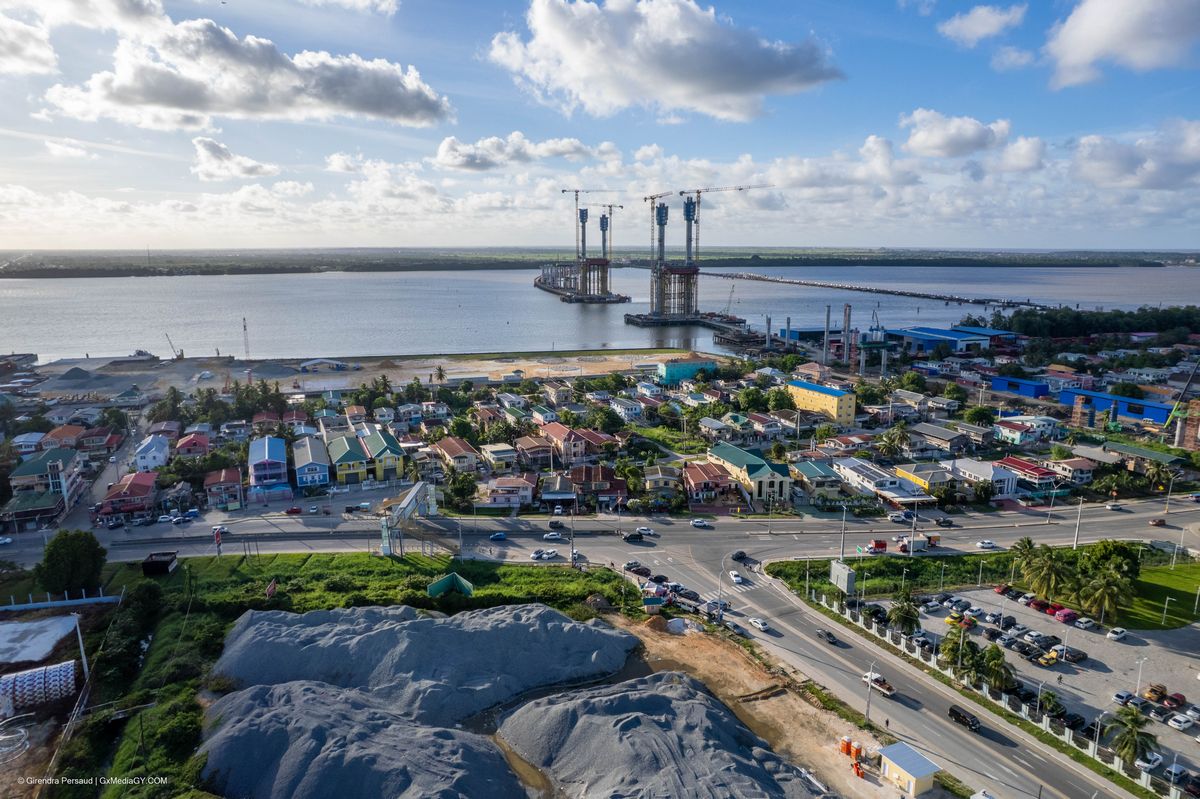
point(584, 279)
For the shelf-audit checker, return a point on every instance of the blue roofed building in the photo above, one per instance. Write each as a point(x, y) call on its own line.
point(1021, 386)
point(672, 372)
point(268, 467)
point(923, 340)
point(998, 338)
point(1099, 402)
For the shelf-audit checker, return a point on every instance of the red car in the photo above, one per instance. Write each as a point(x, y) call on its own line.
point(1157, 522)
point(1174, 701)
point(1053, 608)
point(293, 511)
point(1039, 605)
point(1000, 589)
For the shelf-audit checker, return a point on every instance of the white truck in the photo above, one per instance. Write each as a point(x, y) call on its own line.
point(876, 681)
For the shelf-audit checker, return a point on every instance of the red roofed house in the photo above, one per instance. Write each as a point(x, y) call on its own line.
point(193, 445)
point(100, 439)
point(355, 414)
point(601, 483)
point(224, 488)
point(1078, 470)
point(570, 446)
point(535, 452)
point(1014, 432)
point(706, 481)
point(133, 493)
point(265, 421)
point(66, 436)
point(169, 429)
point(457, 452)
point(1035, 479)
point(596, 440)
point(295, 417)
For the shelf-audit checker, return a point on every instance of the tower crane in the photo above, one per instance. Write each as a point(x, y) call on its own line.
point(575, 221)
point(698, 192)
point(609, 245)
point(653, 200)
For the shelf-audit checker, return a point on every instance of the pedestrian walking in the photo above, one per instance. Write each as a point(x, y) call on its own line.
point(887, 723)
point(1060, 679)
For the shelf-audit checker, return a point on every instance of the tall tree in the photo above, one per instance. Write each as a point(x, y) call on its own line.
point(1049, 572)
point(72, 561)
point(903, 615)
point(1022, 552)
point(1105, 593)
point(1130, 739)
point(979, 415)
point(997, 671)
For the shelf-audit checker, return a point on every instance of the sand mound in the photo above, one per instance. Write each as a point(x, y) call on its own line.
point(436, 671)
point(75, 373)
point(656, 623)
point(660, 735)
point(305, 740)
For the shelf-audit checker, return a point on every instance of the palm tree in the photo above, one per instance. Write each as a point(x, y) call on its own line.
point(997, 671)
point(1105, 592)
point(1049, 703)
point(1130, 741)
point(971, 668)
point(1022, 552)
point(1159, 475)
point(894, 440)
point(439, 373)
point(1049, 572)
point(903, 614)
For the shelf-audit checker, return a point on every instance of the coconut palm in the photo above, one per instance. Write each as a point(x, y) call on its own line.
point(1159, 475)
point(1129, 740)
point(971, 668)
point(1049, 572)
point(439, 373)
point(903, 615)
point(894, 440)
point(1050, 704)
point(997, 671)
point(1022, 551)
point(1104, 593)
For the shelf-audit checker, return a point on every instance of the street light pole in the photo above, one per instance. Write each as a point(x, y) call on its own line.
point(870, 681)
point(842, 549)
point(1078, 519)
point(1179, 546)
point(1166, 603)
point(1138, 684)
point(980, 581)
point(942, 579)
point(903, 574)
point(1170, 487)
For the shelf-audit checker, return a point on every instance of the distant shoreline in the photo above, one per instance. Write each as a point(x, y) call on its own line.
point(81, 266)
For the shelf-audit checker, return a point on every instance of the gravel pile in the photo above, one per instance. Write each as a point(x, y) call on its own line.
point(435, 671)
point(305, 740)
point(659, 735)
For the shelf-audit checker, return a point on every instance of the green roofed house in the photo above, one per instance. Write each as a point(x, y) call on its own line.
point(761, 478)
point(384, 453)
point(817, 479)
point(1137, 458)
point(29, 510)
point(348, 459)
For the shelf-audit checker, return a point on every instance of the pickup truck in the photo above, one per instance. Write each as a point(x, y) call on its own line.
point(876, 681)
point(1154, 692)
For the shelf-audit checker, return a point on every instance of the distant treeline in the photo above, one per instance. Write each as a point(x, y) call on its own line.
point(1067, 322)
point(254, 262)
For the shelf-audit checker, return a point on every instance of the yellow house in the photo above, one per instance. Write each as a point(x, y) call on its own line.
point(838, 405)
point(348, 460)
point(386, 458)
point(907, 769)
point(927, 475)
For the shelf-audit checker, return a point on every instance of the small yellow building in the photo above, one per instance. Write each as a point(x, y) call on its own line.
point(838, 405)
point(907, 769)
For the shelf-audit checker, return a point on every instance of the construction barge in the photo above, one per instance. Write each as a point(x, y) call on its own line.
point(563, 281)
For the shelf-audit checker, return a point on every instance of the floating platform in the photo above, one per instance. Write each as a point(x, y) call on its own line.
point(724, 323)
point(569, 294)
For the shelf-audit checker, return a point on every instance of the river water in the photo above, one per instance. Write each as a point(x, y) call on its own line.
point(403, 313)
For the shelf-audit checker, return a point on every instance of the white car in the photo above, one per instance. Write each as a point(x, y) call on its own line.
point(986, 543)
point(1180, 722)
point(112, 459)
point(702, 524)
point(1018, 630)
point(1085, 623)
point(5, 540)
point(1113, 506)
point(737, 578)
point(550, 554)
point(536, 554)
point(1193, 712)
point(975, 611)
point(1149, 761)
point(931, 607)
point(758, 624)
point(552, 537)
point(647, 531)
point(1116, 634)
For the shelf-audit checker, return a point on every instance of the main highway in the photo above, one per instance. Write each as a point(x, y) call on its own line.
point(1000, 758)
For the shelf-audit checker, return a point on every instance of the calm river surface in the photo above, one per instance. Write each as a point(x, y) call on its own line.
point(402, 313)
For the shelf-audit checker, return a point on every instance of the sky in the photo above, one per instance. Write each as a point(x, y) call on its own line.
point(1057, 124)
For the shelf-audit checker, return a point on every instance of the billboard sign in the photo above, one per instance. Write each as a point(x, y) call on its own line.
point(842, 576)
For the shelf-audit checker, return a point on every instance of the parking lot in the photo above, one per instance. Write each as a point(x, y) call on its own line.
point(1166, 657)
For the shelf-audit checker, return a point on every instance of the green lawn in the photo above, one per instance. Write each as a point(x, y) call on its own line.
point(1154, 586)
point(673, 439)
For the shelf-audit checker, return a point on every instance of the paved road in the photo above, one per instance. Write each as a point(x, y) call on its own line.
point(1000, 758)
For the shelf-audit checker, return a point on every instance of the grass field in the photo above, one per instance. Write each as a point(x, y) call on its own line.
point(884, 576)
point(673, 439)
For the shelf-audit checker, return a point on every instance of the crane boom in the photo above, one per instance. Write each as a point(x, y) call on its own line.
point(698, 192)
point(575, 219)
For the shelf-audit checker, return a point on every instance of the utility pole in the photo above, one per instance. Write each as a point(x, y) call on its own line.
point(870, 681)
point(1078, 519)
point(842, 551)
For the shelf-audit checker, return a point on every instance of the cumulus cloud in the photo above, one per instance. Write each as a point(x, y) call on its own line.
point(923, 7)
point(168, 75)
point(981, 22)
point(1025, 154)
point(343, 162)
point(66, 149)
point(494, 152)
point(1142, 35)
point(647, 152)
point(1007, 59)
point(215, 161)
point(387, 7)
point(1165, 159)
point(668, 55)
point(25, 49)
point(933, 134)
point(292, 188)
